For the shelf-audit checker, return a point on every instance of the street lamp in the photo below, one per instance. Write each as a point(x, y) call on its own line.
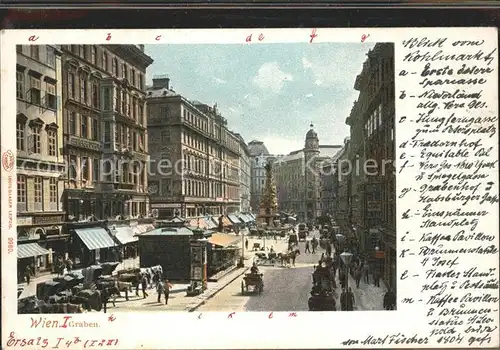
point(346, 258)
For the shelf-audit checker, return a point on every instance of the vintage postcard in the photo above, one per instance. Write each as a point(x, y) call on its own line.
point(162, 186)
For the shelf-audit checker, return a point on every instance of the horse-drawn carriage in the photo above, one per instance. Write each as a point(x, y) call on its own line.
point(323, 293)
point(252, 281)
point(261, 258)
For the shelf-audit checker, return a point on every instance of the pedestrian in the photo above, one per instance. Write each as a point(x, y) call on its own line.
point(350, 300)
point(357, 276)
point(376, 278)
point(139, 282)
point(144, 285)
point(167, 288)
point(307, 247)
point(160, 289)
point(390, 300)
point(69, 265)
point(366, 272)
point(343, 300)
point(246, 244)
point(27, 275)
point(105, 299)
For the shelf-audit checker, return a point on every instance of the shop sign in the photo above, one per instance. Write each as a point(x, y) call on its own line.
point(380, 255)
point(44, 220)
point(23, 221)
point(373, 206)
point(165, 205)
point(84, 143)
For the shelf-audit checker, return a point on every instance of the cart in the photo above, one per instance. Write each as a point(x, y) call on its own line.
point(322, 302)
point(252, 281)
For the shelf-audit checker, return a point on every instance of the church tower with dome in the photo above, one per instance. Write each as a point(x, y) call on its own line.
point(311, 175)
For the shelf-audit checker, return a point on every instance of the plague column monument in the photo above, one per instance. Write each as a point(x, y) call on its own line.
point(268, 202)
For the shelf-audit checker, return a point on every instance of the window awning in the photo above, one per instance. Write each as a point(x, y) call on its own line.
point(95, 238)
point(143, 228)
point(29, 250)
point(210, 223)
point(226, 222)
point(223, 240)
point(234, 219)
point(125, 234)
point(245, 218)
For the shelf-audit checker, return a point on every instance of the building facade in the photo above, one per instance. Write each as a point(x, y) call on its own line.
point(259, 157)
point(105, 130)
point(371, 194)
point(199, 156)
point(245, 175)
point(40, 164)
point(298, 178)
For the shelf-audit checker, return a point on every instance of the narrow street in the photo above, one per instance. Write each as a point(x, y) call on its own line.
point(288, 289)
point(285, 288)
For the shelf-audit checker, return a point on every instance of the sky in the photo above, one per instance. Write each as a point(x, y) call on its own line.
point(269, 92)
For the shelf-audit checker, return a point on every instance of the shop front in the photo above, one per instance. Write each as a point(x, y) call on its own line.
point(127, 241)
point(390, 257)
point(44, 229)
point(92, 245)
point(30, 255)
point(223, 252)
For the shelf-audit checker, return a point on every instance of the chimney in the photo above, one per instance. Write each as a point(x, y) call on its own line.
point(161, 81)
point(141, 47)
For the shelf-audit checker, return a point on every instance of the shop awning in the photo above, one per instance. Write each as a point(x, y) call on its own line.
point(29, 250)
point(210, 223)
point(234, 219)
point(124, 234)
point(226, 222)
point(95, 238)
point(143, 228)
point(252, 216)
point(245, 218)
point(224, 240)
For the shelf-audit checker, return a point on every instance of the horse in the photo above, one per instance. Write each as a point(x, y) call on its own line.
point(287, 257)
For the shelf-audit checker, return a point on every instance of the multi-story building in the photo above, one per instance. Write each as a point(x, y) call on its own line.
point(245, 175)
point(343, 176)
point(194, 157)
point(298, 176)
point(105, 130)
point(372, 138)
point(259, 157)
point(40, 164)
point(328, 188)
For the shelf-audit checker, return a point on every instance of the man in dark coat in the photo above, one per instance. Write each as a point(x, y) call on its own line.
point(343, 300)
point(144, 284)
point(376, 278)
point(27, 274)
point(350, 300)
point(390, 300)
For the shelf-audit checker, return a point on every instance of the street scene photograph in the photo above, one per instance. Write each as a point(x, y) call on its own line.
point(156, 178)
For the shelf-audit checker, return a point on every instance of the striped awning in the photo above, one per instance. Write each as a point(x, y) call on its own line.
point(234, 219)
point(210, 223)
point(29, 250)
point(125, 234)
point(224, 240)
point(226, 222)
point(245, 218)
point(143, 228)
point(95, 238)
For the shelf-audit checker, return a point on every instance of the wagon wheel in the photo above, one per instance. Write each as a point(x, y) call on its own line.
point(242, 287)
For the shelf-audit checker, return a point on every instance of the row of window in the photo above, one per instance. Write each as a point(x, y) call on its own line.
point(196, 188)
point(84, 97)
point(35, 95)
point(79, 124)
point(89, 170)
point(125, 104)
point(36, 52)
point(125, 137)
point(32, 143)
point(37, 195)
point(118, 69)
